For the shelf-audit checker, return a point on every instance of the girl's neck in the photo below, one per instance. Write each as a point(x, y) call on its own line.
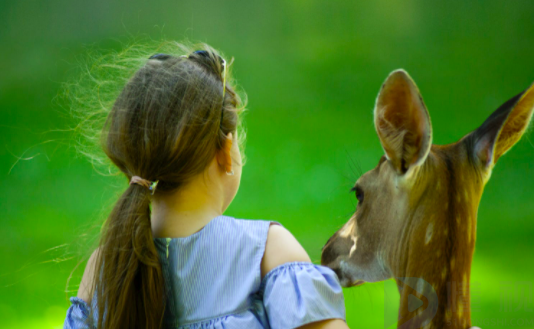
point(185, 211)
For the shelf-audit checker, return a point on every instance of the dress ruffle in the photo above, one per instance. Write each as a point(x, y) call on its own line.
point(77, 314)
point(298, 293)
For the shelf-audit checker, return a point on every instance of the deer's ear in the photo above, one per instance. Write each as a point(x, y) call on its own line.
point(503, 128)
point(402, 122)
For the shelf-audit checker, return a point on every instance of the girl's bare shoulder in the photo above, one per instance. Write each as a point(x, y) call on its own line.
point(85, 290)
point(281, 247)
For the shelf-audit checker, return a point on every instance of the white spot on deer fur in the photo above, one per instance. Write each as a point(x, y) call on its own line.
point(348, 229)
point(353, 248)
point(420, 286)
point(429, 232)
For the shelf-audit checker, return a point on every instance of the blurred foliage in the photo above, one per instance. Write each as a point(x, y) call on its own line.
point(312, 70)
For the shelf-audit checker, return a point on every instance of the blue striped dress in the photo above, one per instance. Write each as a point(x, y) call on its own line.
point(213, 281)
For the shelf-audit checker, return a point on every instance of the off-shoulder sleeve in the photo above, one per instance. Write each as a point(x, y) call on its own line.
point(77, 314)
point(298, 293)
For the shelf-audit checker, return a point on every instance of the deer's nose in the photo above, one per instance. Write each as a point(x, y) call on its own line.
point(337, 270)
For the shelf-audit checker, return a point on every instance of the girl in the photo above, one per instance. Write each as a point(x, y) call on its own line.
point(168, 257)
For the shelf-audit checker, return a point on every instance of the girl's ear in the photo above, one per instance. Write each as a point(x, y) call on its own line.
point(402, 122)
point(224, 156)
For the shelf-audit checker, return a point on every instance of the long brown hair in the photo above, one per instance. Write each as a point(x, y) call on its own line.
point(166, 124)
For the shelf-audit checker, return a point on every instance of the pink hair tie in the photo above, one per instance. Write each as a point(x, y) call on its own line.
point(146, 183)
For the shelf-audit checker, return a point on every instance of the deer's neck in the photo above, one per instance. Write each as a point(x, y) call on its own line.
point(428, 301)
point(433, 277)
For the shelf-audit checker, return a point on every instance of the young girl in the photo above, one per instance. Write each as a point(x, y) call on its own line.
point(168, 257)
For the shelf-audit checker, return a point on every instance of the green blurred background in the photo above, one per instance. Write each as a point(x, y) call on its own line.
point(312, 70)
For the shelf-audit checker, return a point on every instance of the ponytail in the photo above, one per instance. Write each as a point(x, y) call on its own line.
point(129, 287)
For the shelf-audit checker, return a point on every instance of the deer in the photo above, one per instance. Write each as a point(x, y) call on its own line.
point(416, 213)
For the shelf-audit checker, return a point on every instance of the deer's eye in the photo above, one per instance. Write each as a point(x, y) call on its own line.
point(359, 193)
